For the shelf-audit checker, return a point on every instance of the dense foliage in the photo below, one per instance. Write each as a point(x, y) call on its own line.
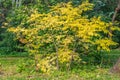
point(56, 33)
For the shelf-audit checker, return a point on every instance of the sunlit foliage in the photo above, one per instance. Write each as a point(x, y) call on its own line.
point(62, 27)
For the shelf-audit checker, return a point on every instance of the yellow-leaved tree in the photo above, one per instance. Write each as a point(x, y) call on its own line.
point(63, 28)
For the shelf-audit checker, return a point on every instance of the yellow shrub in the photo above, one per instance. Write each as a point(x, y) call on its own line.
point(60, 27)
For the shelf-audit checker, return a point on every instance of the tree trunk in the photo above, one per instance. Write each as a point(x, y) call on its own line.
point(36, 63)
point(57, 61)
point(116, 67)
point(56, 49)
point(116, 11)
point(17, 3)
point(71, 61)
point(13, 3)
point(20, 2)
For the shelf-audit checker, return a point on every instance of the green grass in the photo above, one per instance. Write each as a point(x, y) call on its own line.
point(8, 71)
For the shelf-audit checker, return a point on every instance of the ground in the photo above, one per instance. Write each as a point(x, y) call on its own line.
point(8, 71)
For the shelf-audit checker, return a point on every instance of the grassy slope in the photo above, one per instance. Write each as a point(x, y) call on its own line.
point(89, 72)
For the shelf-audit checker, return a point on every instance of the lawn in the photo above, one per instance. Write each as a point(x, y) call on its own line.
point(9, 66)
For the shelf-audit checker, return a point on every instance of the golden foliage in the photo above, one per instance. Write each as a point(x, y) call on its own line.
point(57, 25)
